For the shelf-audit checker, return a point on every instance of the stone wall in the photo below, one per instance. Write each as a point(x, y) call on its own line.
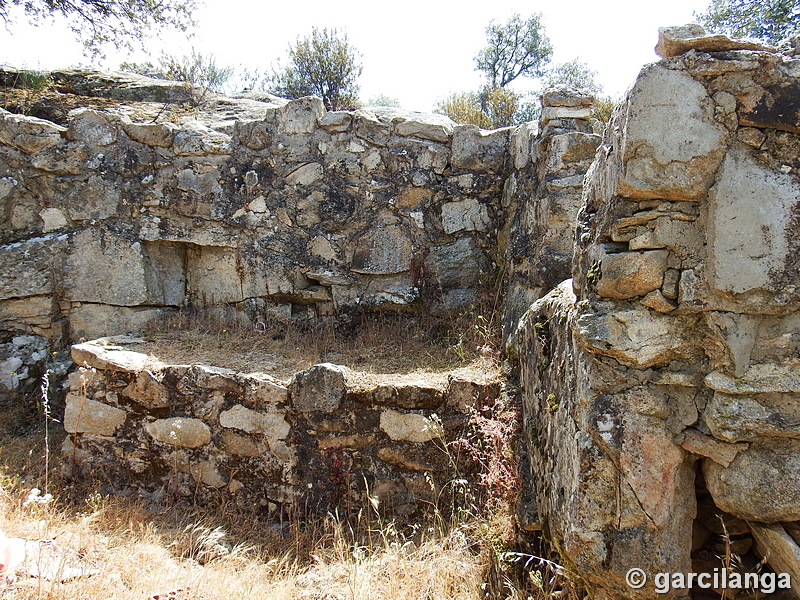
point(301, 213)
point(127, 210)
point(541, 198)
point(321, 440)
point(148, 197)
point(663, 378)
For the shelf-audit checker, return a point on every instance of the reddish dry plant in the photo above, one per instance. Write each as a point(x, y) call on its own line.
point(490, 443)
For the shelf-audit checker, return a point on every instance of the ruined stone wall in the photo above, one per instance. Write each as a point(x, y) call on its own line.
point(300, 213)
point(663, 378)
point(150, 196)
point(129, 209)
point(541, 199)
point(320, 441)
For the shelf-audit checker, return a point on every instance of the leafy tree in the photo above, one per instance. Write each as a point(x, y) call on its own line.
point(463, 107)
point(383, 100)
point(517, 48)
point(196, 68)
point(99, 23)
point(574, 73)
point(323, 64)
point(500, 105)
point(603, 108)
point(767, 20)
point(490, 108)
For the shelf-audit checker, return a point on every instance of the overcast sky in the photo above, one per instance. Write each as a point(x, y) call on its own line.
point(416, 51)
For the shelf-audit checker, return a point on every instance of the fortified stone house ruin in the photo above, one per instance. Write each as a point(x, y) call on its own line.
point(649, 295)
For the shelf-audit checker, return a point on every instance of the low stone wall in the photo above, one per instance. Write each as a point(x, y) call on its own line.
point(319, 440)
point(665, 375)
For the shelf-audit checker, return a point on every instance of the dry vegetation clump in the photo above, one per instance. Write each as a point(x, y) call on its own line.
point(86, 545)
point(378, 344)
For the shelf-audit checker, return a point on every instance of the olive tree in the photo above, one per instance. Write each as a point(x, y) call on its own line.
point(323, 64)
point(574, 73)
point(767, 20)
point(516, 48)
point(98, 23)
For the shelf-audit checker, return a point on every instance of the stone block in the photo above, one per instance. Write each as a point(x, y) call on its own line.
point(461, 264)
point(269, 425)
point(319, 388)
point(739, 418)
point(87, 125)
point(98, 257)
point(147, 390)
point(256, 135)
point(464, 395)
point(82, 415)
point(671, 146)
point(179, 431)
point(213, 275)
point(722, 453)
point(409, 427)
point(207, 472)
point(299, 116)
point(402, 394)
point(29, 134)
point(755, 486)
point(336, 121)
point(238, 444)
point(382, 251)
point(196, 139)
point(158, 135)
point(110, 358)
point(89, 321)
point(307, 174)
point(630, 274)
point(369, 127)
point(411, 197)
point(673, 41)
point(478, 149)
point(753, 253)
point(637, 337)
point(466, 215)
point(27, 268)
point(437, 128)
point(564, 112)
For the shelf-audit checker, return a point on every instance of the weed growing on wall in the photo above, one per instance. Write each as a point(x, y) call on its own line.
point(490, 442)
point(23, 92)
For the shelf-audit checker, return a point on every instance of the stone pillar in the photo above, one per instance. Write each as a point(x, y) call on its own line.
point(676, 343)
point(542, 196)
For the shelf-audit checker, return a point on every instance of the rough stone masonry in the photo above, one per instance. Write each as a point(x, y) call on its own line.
point(660, 383)
point(664, 376)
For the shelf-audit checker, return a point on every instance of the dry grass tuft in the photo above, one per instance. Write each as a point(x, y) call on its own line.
point(136, 553)
point(380, 344)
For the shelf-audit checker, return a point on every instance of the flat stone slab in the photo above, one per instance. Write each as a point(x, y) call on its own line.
point(110, 358)
point(674, 41)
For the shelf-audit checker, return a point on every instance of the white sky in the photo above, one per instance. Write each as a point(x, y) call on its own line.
point(416, 51)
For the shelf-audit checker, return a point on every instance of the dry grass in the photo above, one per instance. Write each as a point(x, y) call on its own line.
point(381, 347)
point(138, 553)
